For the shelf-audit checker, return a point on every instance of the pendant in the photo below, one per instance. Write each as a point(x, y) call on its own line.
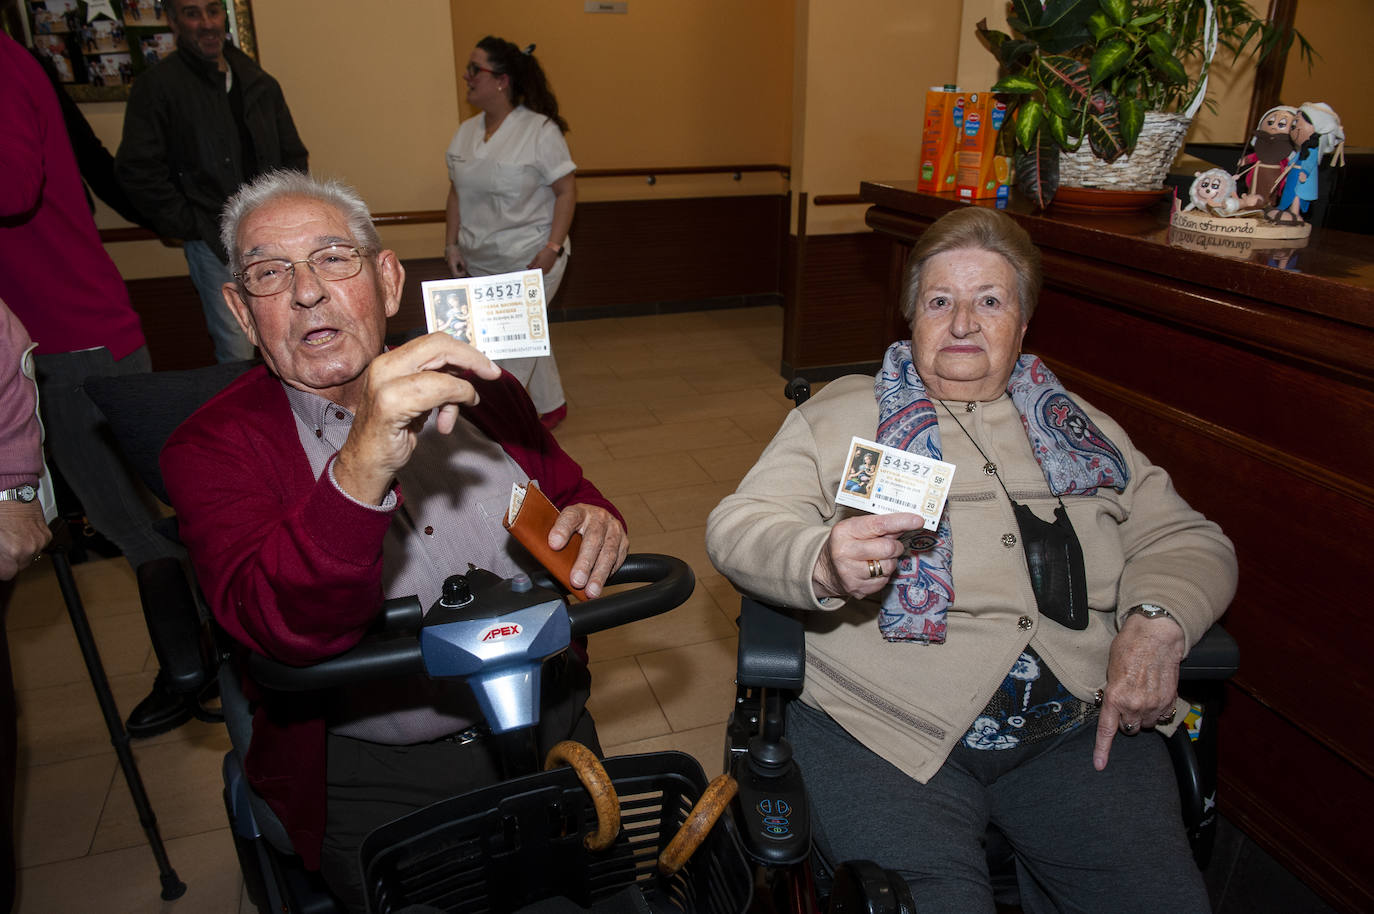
point(970, 407)
point(989, 469)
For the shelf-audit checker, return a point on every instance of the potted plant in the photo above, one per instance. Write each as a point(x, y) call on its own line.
point(1117, 74)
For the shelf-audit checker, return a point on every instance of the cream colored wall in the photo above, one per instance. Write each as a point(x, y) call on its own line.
point(374, 91)
point(1340, 30)
point(866, 65)
point(372, 96)
point(670, 83)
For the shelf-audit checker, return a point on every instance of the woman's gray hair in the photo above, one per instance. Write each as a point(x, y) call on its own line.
point(982, 229)
point(283, 183)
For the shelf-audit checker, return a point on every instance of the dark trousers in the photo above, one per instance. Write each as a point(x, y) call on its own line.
point(371, 784)
point(1085, 840)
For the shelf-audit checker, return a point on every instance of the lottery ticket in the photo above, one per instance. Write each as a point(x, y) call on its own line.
point(503, 315)
point(883, 480)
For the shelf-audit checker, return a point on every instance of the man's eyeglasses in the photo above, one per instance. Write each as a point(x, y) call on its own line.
point(270, 277)
point(473, 70)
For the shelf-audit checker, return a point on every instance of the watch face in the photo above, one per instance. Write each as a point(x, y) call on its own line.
point(26, 493)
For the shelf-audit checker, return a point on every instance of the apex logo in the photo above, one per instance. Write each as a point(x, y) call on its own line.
point(509, 630)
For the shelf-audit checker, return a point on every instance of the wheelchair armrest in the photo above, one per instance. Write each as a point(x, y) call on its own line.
point(1214, 657)
point(772, 647)
point(174, 624)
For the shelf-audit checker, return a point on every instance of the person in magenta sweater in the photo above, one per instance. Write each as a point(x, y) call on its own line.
point(58, 279)
point(339, 474)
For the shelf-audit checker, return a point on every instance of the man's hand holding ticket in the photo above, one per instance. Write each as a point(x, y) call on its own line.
point(884, 480)
point(504, 315)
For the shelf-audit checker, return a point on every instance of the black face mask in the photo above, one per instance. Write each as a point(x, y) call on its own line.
point(1056, 566)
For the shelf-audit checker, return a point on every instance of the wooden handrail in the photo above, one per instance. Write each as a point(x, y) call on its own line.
point(837, 199)
point(431, 216)
point(737, 170)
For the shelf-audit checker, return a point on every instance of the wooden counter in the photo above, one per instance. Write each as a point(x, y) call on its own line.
point(1254, 386)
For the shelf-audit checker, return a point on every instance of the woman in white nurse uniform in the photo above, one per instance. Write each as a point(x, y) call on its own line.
point(513, 191)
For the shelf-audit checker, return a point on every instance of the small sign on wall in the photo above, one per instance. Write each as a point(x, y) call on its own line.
point(598, 6)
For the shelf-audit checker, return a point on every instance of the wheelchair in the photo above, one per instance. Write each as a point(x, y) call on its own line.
point(771, 810)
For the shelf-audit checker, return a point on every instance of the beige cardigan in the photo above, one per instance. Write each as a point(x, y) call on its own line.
point(911, 703)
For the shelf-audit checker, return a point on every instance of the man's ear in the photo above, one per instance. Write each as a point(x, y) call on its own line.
point(391, 280)
point(234, 299)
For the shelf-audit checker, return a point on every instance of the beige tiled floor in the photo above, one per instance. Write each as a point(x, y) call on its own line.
point(666, 413)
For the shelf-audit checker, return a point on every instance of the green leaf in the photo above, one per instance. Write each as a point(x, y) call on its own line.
point(1037, 172)
point(1058, 130)
point(1099, 25)
point(994, 37)
point(1103, 127)
point(1015, 85)
point(1028, 11)
point(1161, 44)
point(1060, 26)
point(1058, 101)
point(1146, 19)
point(1028, 118)
point(1015, 53)
point(1066, 16)
point(1170, 68)
point(1119, 10)
point(1109, 59)
point(1132, 116)
point(1069, 74)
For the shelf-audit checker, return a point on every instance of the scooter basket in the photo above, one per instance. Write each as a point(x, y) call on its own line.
point(520, 841)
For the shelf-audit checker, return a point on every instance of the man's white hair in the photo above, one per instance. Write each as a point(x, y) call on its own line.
point(284, 183)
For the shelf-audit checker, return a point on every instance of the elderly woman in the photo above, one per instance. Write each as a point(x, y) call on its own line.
point(512, 191)
point(1004, 668)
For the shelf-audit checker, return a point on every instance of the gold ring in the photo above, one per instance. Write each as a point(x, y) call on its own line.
point(875, 568)
point(1128, 729)
point(1169, 718)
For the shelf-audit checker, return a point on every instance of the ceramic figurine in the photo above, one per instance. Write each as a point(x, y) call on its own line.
point(1214, 191)
point(1267, 165)
point(1315, 132)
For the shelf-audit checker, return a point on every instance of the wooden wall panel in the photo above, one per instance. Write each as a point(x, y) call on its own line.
point(631, 257)
point(841, 317)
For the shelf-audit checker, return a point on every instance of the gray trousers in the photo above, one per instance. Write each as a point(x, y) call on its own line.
point(1085, 841)
point(79, 439)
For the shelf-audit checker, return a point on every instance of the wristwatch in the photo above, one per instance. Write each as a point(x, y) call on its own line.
point(24, 494)
point(1149, 611)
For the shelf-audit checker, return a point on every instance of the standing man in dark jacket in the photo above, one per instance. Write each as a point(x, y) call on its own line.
point(198, 125)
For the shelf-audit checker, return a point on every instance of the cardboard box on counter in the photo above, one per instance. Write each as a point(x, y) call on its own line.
point(980, 172)
point(944, 118)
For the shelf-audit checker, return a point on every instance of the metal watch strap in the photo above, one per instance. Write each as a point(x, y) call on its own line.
point(1149, 611)
point(24, 494)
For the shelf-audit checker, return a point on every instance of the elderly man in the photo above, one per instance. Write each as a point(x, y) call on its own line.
point(338, 474)
point(198, 126)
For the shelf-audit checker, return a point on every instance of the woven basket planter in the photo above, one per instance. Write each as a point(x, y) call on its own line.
point(1144, 169)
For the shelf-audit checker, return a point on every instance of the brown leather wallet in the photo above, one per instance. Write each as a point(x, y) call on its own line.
point(529, 519)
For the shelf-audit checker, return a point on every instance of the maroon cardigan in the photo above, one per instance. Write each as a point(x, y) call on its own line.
point(292, 569)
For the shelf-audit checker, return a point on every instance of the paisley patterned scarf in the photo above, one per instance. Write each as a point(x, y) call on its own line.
point(1074, 455)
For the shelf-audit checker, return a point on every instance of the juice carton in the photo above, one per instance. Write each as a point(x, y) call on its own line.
point(944, 116)
point(979, 171)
